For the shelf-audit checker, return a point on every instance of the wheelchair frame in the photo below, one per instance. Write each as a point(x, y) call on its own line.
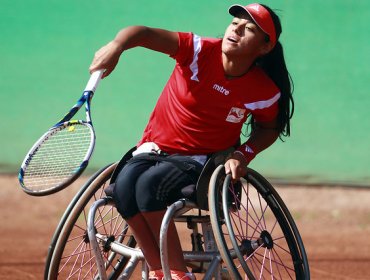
point(226, 239)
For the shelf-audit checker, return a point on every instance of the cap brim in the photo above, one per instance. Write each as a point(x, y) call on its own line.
point(235, 10)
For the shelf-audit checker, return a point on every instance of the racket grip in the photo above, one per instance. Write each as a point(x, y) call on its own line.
point(94, 80)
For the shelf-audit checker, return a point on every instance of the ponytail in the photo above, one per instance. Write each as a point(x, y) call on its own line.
point(274, 66)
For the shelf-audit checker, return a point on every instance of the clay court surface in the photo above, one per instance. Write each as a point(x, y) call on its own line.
point(334, 223)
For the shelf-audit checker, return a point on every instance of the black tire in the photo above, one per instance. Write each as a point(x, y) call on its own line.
point(255, 233)
point(65, 216)
point(72, 257)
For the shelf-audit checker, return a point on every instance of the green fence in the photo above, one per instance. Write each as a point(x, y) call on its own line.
point(47, 45)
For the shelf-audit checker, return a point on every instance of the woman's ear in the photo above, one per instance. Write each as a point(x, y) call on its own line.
point(266, 48)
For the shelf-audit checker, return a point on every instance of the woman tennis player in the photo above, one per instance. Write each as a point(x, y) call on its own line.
point(215, 87)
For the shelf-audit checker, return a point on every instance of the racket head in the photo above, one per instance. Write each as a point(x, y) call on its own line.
point(57, 158)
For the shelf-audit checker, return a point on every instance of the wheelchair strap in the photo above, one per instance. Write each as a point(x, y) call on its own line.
point(184, 166)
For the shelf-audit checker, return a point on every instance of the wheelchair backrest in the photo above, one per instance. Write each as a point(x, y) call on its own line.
point(121, 164)
point(202, 185)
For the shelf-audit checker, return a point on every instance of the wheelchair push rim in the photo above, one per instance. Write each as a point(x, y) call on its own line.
point(254, 230)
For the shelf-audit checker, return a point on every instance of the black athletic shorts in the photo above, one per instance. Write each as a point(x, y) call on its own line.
point(145, 185)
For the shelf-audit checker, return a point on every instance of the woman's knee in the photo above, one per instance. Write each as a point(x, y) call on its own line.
point(147, 192)
point(125, 201)
point(124, 191)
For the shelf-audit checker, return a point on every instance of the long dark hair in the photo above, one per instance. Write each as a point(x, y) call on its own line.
point(274, 66)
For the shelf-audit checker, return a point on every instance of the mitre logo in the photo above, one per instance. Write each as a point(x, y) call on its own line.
point(221, 89)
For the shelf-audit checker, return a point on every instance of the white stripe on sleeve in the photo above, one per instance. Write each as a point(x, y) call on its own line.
point(262, 104)
point(194, 63)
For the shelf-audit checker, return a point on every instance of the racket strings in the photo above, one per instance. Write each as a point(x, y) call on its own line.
point(59, 157)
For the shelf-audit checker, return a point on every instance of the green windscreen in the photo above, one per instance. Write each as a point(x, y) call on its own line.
point(47, 46)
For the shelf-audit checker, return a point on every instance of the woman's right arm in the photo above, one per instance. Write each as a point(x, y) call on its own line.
point(134, 36)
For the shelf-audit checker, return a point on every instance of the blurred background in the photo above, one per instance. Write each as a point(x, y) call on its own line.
point(46, 47)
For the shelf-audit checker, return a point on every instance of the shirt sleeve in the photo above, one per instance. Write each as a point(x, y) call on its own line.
point(264, 106)
point(265, 110)
point(186, 48)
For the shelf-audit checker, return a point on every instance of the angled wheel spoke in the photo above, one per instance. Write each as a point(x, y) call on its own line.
point(258, 227)
point(73, 257)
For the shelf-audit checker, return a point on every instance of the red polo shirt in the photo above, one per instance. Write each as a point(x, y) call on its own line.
point(199, 110)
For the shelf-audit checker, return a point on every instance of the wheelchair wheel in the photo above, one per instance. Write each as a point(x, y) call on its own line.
point(72, 256)
point(254, 231)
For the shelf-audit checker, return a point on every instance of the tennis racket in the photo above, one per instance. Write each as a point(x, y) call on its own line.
point(61, 155)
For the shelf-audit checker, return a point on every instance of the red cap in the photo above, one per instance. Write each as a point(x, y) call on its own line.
point(260, 16)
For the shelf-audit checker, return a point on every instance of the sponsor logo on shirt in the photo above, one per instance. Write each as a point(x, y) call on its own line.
point(221, 89)
point(236, 115)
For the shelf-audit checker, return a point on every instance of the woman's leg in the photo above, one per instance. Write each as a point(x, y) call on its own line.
point(146, 239)
point(124, 195)
point(142, 192)
point(155, 188)
point(175, 253)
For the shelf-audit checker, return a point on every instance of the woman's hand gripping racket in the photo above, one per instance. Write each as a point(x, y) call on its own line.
point(63, 152)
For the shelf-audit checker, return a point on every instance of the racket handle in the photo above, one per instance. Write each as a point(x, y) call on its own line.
point(95, 78)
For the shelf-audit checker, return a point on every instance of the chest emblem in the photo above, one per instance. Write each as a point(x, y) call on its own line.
point(235, 115)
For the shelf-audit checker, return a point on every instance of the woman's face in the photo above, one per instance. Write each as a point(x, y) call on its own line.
point(244, 38)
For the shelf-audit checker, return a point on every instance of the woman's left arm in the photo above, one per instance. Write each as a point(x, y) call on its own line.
point(263, 136)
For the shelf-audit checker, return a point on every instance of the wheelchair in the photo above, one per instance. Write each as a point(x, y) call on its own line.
point(238, 230)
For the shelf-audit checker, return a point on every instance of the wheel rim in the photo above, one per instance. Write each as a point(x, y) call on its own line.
point(259, 234)
point(254, 230)
point(73, 257)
